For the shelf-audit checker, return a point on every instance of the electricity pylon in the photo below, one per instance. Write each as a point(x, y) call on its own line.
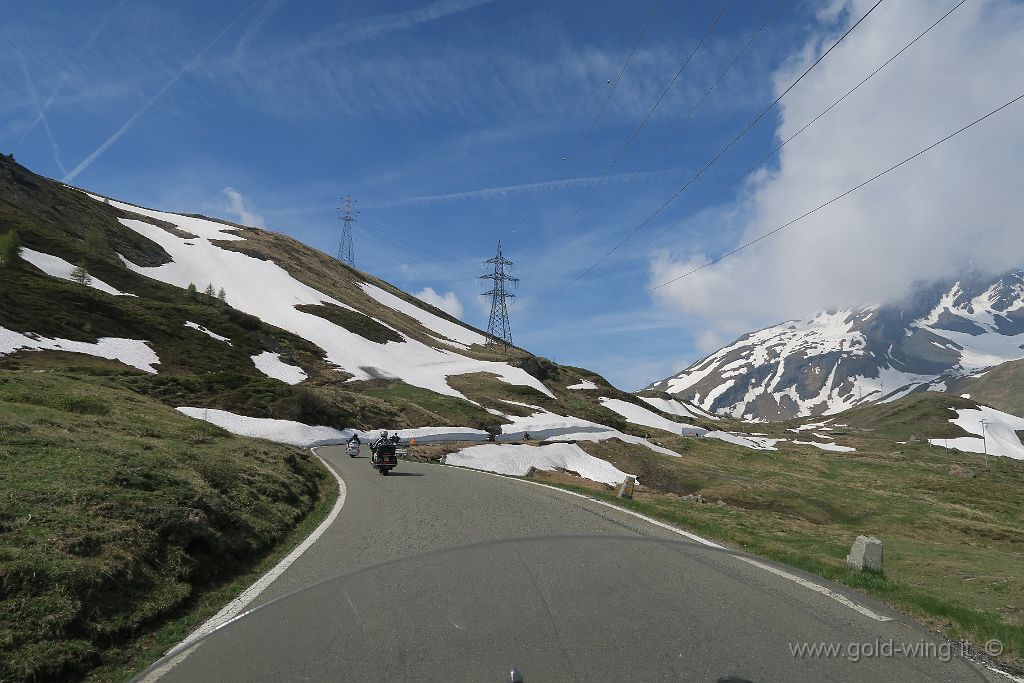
point(347, 218)
point(497, 324)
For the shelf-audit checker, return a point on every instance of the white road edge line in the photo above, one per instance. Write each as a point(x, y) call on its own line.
point(817, 588)
point(235, 607)
point(1015, 679)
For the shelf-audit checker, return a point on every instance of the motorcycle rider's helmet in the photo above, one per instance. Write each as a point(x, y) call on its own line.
point(384, 434)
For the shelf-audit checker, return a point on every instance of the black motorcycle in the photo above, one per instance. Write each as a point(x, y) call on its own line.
point(383, 456)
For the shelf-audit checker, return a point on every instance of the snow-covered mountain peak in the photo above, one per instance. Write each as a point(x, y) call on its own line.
point(838, 359)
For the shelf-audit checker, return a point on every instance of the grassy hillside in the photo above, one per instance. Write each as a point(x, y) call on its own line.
point(198, 370)
point(1002, 387)
point(118, 513)
point(953, 530)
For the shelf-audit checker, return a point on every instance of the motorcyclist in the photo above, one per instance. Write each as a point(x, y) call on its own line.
point(353, 445)
point(382, 439)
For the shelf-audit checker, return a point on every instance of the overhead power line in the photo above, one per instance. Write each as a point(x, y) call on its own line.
point(431, 250)
point(615, 83)
point(725, 149)
point(650, 113)
point(810, 123)
point(693, 110)
point(840, 196)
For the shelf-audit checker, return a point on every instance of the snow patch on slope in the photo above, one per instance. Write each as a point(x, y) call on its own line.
point(642, 416)
point(1000, 432)
point(264, 289)
point(545, 426)
point(434, 323)
point(55, 266)
point(675, 407)
point(271, 365)
point(201, 227)
point(746, 440)
point(584, 385)
point(133, 352)
point(208, 333)
point(828, 446)
point(518, 459)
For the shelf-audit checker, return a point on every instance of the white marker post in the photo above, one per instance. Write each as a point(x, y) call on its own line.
point(984, 440)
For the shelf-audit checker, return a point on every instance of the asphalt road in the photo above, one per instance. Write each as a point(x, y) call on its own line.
point(482, 574)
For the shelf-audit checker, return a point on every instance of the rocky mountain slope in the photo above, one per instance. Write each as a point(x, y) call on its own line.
point(836, 360)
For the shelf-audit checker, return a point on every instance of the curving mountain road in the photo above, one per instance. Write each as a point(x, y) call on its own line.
point(623, 599)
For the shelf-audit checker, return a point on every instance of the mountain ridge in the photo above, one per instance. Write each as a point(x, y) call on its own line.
point(836, 360)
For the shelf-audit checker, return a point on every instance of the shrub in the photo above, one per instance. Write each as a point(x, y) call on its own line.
point(10, 245)
point(244, 320)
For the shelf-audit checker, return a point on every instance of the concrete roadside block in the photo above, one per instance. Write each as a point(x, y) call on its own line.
point(866, 553)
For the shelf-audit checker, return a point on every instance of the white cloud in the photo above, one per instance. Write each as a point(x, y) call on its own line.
point(449, 303)
point(236, 206)
point(958, 204)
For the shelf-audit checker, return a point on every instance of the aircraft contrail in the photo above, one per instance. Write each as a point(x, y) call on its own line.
point(490, 192)
point(64, 75)
point(42, 113)
point(356, 30)
point(149, 103)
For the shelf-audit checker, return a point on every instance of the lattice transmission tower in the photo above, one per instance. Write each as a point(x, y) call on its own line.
point(497, 324)
point(347, 218)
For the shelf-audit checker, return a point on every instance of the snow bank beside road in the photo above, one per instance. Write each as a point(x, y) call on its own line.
point(543, 427)
point(303, 435)
point(281, 431)
point(437, 434)
point(518, 459)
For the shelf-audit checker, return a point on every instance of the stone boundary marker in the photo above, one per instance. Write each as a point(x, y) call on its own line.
point(866, 553)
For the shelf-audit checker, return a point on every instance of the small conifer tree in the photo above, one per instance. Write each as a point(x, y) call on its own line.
point(81, 276)
point(192, 293)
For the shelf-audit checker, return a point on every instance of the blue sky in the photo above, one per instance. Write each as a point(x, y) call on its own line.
point(456, 123)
